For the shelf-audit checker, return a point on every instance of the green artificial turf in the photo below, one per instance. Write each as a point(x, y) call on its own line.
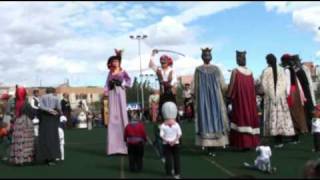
point(85, 157)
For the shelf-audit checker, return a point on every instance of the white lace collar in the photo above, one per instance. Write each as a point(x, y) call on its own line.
point(244, 70)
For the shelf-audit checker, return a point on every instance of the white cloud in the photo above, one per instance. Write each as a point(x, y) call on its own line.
point(308, 18)
point(288, 6)
point(204, 9)
point(305, 15)
point(53, 63)
point(168, 32)
point(279, 6)
point(57, 40)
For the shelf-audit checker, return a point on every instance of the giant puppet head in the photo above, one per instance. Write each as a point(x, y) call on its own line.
point(296, 61)
point(287, 60)
point(206, 55)
point(166, 61)
point(116, 57)
point(241, 57)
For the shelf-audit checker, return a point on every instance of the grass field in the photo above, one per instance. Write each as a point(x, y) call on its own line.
point(86, 157)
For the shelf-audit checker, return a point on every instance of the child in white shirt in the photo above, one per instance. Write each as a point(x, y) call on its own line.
point(316, 128)
point(170, 132)
point(262, 162)
point(61, 136)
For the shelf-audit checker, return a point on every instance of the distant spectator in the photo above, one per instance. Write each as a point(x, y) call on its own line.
point(154, 105)
point(49, 115)
point(63, 119)
point(66, 109)
point(22, 146)
point(316, 128)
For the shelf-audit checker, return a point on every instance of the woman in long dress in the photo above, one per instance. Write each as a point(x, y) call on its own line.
point(22, 147)
point(277, 118)
point(295, 99)
point(154, 105)
point(118, 79)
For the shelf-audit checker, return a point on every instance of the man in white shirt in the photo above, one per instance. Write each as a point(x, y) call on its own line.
point(166, 76)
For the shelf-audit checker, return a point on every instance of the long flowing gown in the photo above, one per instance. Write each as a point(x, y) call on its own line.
point(154, 106)
point(277, 118)
point(22, 147)
point(245, 128)
point(211, 122)
point(118, 117)
point(306, 87)
point(295, 101)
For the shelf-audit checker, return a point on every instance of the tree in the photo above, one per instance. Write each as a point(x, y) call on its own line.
point(133, 92)
point(317, 93)
point(179, 97)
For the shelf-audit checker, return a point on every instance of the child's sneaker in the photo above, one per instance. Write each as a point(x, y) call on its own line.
point(5, 159)
point(279, 146)
point(177, 176)
point(315, 150)
point(246, 164)
point(295, 142)
point(272, 170)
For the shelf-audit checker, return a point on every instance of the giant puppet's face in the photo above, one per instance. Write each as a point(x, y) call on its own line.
point(164, 64)
point(115, 63)
point(206, 55)
point(296, 61)
point(241, 58)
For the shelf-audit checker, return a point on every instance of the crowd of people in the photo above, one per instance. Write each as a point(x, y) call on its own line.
point(225, 115)
point(32, 126)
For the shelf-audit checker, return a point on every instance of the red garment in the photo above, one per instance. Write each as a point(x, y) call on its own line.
point(293, 89)
point(245, 128)
point(135, 133)
point(21, 95)
point(5, 96)
point(3, 132)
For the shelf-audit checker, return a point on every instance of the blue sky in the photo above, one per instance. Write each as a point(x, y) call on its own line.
point(251, 28)
point(54, 41)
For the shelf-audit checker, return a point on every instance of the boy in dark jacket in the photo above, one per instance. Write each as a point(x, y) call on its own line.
point(135, 137)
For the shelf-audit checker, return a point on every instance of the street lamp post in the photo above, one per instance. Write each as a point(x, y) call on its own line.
point(139, 38)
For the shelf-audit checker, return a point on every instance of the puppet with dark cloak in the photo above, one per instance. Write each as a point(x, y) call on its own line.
point(211, 121)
